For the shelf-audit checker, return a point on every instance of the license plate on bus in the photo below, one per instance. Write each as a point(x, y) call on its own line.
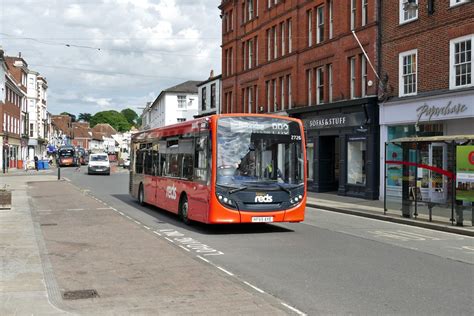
point(259, 219)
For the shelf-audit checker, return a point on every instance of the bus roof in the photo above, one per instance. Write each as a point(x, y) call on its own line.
point(193, 125)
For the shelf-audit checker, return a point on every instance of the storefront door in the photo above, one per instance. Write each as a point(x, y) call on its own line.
point(329, 163)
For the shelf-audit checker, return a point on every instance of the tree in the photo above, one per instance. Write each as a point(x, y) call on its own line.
point(86, 117)
point(130, 115)
point(73, 117)
point(115, 119)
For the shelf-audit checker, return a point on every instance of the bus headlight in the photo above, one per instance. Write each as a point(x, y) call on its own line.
point(226, 200)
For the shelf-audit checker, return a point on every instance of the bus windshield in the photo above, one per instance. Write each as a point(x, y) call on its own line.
point(66, 152)
point(256, 151)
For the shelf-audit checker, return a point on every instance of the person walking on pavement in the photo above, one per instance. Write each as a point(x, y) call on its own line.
point(36, 163)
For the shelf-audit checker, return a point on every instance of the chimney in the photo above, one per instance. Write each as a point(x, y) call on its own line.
point(211, 75)
point(19, 54)
point(2, 53)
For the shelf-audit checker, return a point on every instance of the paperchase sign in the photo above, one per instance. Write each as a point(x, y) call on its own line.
point(427, 112)
point(334, 121)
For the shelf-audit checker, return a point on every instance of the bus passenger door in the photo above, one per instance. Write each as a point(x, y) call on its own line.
point(199, 194)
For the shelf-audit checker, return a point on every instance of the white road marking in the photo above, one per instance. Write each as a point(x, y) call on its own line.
point(128, 217)
point(203, 259)
point(254, 287)
point(121, 213)
point(105, 208)
point(137, 222)
point(75, 209)
point(156, 233)
point(293, 309)
point(224, 270)
point(170, 240)
point(407, 236)
point(66, 179)
point(184, 248)
point(147, 227)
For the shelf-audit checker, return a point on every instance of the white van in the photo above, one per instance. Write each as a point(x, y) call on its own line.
point(98, 164)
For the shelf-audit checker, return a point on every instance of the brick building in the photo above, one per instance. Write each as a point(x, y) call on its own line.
point(301, 58)
point(427, 61)
point(13, 112)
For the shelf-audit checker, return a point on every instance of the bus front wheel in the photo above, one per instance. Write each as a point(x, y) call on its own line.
point(141, 195)
point(183, 209)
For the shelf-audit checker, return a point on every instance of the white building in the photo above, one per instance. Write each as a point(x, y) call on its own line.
point(37, 114)
point(209, 96)
point(173, 105)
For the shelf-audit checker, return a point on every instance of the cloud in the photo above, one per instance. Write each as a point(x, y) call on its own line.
point(145, 46)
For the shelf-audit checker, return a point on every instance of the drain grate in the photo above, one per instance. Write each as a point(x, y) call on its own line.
point(80, 294)
point(49, 224)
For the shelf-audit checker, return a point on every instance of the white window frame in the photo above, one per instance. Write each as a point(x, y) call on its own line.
point(269, 45)
point(365, 8)
point(402, 12)
point(249, 10)
point(353, 14)
point(330, 20)
point(352, 66)
point(309, 81)
point(275, 43)
point(320, 24)
point(363, 77)
point(282, 92)
point(401, 75)
point(452, 72)
point(250, 52)
point(269, 95)
point(309, 17)
point(320, 85)
point(290, 37)
point(275, 105)
point(178, 98)
point(283, 37)
point(250, 99)
point(256, 50)
point(288, 82)
point(330, 83)
point(454, 3)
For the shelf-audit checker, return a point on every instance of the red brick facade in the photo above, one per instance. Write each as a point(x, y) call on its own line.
point(430, 35)
point(262, 76)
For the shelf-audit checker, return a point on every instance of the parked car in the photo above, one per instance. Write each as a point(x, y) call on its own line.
point(99, 164)
point(126, 163)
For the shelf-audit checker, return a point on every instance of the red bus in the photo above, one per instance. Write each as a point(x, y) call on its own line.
point(230, 168)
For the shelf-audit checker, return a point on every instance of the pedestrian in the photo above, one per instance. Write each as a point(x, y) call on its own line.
point(36, 163)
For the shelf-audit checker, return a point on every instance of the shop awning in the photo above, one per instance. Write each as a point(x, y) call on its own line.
point(456, 138)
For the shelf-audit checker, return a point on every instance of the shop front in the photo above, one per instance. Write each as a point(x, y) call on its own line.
point(342, 147)
point(449, 114)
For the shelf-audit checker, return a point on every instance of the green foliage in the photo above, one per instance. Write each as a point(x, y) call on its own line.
point(73, 117)
point(86, 117)
point(115, 119)
point(130, 115)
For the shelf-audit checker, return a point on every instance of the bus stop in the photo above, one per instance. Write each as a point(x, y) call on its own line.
point(430, 178)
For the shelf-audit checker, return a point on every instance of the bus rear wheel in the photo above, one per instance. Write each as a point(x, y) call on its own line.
point(141, 195)
point(183, 209)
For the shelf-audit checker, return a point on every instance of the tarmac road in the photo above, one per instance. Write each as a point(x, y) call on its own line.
point(330, 264)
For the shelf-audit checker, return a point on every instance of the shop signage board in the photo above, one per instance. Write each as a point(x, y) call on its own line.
point(336, 120)
point(465, 173)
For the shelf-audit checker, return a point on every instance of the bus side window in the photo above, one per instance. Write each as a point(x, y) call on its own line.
point(200, 158)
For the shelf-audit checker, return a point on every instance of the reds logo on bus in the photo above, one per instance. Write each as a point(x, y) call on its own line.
point(261, 198)
point(171, 192)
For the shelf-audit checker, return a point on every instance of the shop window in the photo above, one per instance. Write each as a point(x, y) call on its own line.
point(356, 173)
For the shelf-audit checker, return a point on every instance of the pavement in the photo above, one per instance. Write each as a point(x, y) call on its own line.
point(57, 238)
point(375, 209)
point(48, 248)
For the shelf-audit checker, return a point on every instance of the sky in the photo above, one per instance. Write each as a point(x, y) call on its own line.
point(100, 55)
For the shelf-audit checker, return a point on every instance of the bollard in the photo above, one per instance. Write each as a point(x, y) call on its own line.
point(59, 173)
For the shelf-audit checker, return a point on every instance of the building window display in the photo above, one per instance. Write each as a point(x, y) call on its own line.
point(461, 62)
point(356, 168)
